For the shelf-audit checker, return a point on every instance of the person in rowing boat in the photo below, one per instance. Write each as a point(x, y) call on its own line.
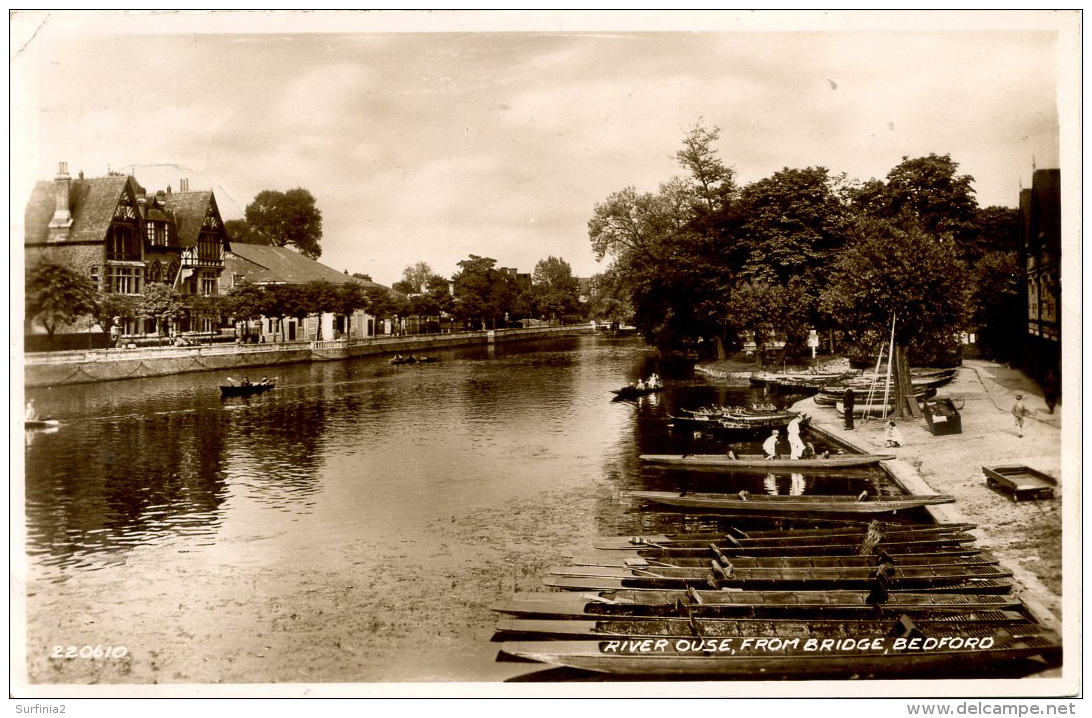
point(31, 412)
point(892, 436)
point(770, 445)
point(641, 385)
point(246, 381)
point(264, 381)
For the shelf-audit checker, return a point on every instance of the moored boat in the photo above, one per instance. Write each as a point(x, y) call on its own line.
point(757, 462)
point(598, 628)
point(719, 575)
point(764, 504)
point(620, 559)
point(750, 604)
point(773, 657)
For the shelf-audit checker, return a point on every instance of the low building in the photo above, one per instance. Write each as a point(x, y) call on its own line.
point(264, 265)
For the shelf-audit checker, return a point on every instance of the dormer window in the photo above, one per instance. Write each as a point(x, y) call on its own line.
point(158, 233)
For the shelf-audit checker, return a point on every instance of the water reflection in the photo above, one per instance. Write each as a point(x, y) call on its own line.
point(105, 486)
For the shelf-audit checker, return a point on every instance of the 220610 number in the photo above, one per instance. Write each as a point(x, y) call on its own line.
point(98, 652)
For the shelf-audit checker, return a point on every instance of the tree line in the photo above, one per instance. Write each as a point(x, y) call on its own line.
point(706, 261)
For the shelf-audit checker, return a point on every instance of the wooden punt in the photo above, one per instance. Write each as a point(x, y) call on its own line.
point(625, 560)
point(245, 389)
point(757, 462)
point(592, 583)
point(907, 533)
point(734, 658)
point(800, 506)
point(732, 424)
point(751, 604)
point(717, 575)
point(591, 628)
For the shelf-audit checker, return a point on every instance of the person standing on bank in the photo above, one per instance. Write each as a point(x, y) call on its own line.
point(1019, 411)
point(796, 444)
point(849, 400)
point(1050, 390)
point(770, 445)
point(892, 436)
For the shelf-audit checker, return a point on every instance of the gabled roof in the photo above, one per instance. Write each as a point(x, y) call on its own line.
point(189, 210)
point(91, 201)
point(280, 265)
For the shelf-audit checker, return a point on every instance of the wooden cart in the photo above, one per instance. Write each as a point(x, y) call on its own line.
point(1022, 482)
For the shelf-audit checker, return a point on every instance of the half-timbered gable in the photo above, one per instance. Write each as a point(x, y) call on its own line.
point(202, 239)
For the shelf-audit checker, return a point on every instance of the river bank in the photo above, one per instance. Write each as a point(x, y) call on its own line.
point(82, 367)
point(1027, 536)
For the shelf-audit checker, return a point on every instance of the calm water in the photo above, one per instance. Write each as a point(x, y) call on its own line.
point(346, 450)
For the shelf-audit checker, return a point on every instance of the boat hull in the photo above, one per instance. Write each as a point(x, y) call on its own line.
point(751, 462)
point(241, 390)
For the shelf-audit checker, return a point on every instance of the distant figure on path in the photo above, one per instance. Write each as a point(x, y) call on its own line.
point(1050, 389)
point(849, 400)
point(770, 445)
point(1019, 411)
point(892, 437)
point(31, 413)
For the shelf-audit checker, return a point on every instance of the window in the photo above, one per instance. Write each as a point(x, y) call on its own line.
point(208, 247)
point(124, 280)
point(95, 276)
point(123, 243)
point(157, 233)
point(208, 284)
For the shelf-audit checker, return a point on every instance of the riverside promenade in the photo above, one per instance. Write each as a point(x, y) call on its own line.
point(80, 367)
point(1026, 536)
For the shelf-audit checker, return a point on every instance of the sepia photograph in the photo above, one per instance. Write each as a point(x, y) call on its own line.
point(546, 354)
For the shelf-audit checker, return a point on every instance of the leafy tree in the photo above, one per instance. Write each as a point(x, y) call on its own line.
point(380, 302)
point(350, 299)
point(995, 229)
point(240, 232)
point(110, 306)
point(476, 289)
point(906, 274)
point(555, 292)
point(57, 295)
point(247, 302)
point(608, 300)
point(997, 301)
point(213, 307)
point(767, 311)
point(287, 218)
point(929, 189)
point(416, 277)
point(162, 303)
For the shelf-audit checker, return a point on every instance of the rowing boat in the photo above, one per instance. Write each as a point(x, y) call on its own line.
point(41, 423)
point(632, 392)
point(749, 604)
point(593, 628)
point(705, 422)
point(873, 656)
point(629, 560)
point(765, 504)
point(757, 462)
point(245, 389)
point(717, 575)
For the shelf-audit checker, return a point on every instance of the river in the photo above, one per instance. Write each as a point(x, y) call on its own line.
point(157, 490)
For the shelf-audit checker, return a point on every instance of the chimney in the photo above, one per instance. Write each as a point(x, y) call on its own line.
point(168, 190)
point(61, 223)
point(183, 185)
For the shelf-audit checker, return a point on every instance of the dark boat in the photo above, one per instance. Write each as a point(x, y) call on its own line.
point(785, 537)
point(757, 462)
point(750, 604)
point(808, 578)
point(620, 559)
point(632, 392)
point(591, 628)
point(735, 424)
point(245, 389)
point(770, 657)
point(412, 360)
point(42, 423)
point(785, 506)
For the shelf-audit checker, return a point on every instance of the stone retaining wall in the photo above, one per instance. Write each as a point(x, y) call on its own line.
point(109, 365)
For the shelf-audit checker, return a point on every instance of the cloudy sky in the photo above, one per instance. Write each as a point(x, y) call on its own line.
point(433, 136)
